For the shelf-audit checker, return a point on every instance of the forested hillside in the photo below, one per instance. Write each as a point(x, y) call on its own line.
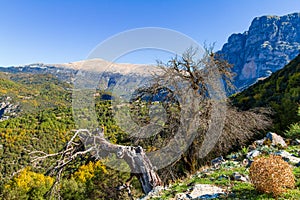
point(280, 92)
point(25, 93)
point(48, 131)
point(43, 121)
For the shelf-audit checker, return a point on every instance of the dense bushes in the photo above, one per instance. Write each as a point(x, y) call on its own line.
point(28, 185)
point(294, 130)
point(94, 181)
point(280, 91)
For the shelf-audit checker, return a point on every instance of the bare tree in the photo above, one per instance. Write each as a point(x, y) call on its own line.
point(210, 75)
point(177, 78)
point(196, 70)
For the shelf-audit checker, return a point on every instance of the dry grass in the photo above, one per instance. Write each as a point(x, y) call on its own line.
point(271, 175)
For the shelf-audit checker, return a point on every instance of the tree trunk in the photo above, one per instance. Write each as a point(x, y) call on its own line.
point(135, 157)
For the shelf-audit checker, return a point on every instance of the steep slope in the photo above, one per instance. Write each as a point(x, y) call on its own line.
point(269, 44)
point(281, 92)
point(23, 93)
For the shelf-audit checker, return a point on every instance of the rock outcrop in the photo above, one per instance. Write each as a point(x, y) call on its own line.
point(7, 108)
point(269, 44)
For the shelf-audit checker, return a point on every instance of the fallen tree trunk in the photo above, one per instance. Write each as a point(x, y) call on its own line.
point(98, 147)
point(135, 157)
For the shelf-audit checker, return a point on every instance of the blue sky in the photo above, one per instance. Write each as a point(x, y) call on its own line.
point(58, 31)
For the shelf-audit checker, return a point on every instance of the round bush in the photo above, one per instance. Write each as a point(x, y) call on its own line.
point(271, 175)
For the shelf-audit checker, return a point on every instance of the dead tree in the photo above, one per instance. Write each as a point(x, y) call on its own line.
point(220, 126)
point(98, 147)
point(202, 108)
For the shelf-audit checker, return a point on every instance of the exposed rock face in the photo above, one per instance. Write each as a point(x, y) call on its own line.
point(269, 44)
point(8, 109)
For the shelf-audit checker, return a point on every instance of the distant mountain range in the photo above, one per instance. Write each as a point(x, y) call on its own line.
point(39, 86)
point(269, 44)
point(108, 72)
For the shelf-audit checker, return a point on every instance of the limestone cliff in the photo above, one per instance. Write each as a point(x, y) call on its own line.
point(269, 44)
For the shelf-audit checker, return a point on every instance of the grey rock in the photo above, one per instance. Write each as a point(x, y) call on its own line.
point(7, 108)
point(209, 196)
point(217, 161)
point(252, 154)
point(276, 139)
point(288, 157)
point(200, 190)
point(223, 177)
point(230, 164)
point(260, 142)
point(181, 196)
point(238, 177)
point(154, 193)
point(269, 44)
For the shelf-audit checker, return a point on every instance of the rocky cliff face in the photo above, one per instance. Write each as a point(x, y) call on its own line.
point(7, 108)
point(269, 44)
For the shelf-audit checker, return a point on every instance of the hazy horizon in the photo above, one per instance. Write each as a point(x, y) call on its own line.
point(55, 31)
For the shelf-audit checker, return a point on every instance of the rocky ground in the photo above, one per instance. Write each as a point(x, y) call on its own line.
point(227, 178)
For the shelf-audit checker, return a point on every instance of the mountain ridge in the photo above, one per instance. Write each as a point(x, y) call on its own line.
point(268, 45)
point(95, 65)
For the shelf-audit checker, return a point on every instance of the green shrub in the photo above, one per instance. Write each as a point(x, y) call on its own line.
point(294, 131)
